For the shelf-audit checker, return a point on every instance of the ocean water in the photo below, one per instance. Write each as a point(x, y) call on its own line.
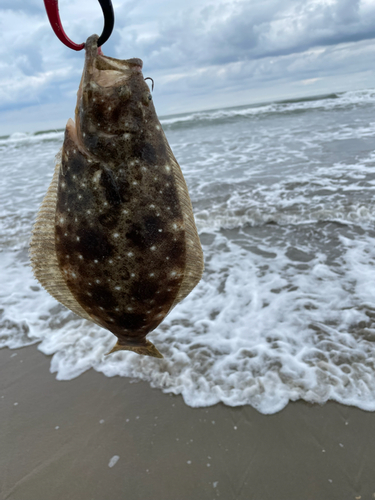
point(283, 196)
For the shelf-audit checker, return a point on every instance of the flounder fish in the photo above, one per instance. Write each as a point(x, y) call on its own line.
point(115, 239)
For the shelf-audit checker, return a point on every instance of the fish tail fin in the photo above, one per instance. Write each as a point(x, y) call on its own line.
point(147, 350)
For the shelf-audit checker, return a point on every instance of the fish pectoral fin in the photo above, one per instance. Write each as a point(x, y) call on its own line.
point(147, 350)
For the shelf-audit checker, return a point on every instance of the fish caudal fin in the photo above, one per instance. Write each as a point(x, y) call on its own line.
point(147, 350)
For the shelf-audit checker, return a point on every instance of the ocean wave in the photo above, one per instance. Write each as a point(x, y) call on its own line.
point(216, 219)
point(324, 102)
point(22, 137)
point(285, 309)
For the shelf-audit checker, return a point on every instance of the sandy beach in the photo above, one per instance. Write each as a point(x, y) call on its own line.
point(96, 438)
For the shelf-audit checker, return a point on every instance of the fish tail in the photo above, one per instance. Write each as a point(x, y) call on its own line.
point(147, 350)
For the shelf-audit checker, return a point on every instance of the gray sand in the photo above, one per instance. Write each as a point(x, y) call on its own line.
point(98, 438)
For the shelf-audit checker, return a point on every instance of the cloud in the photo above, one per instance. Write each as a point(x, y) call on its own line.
point(219, 33)
point(199, 53)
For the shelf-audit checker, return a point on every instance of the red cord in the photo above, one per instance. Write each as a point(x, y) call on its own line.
point(52, 9)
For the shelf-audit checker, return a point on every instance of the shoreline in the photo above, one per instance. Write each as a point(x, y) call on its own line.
point(96, 437)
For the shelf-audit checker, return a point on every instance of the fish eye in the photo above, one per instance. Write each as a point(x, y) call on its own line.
point(146, 99)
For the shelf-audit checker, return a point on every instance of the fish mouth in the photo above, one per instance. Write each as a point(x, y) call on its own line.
point(102, 71)
point(107, 71)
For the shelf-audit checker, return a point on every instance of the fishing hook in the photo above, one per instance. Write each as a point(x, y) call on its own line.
point(149, 78)
point(52, 9)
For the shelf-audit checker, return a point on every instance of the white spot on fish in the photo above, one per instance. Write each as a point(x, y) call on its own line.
point(126, 136)
point(167, 168)
point(109, 108)
point(135, 183)
point(96, 261)
point(157, 127)
point(80, 257)
point(97, 281)
point(96, 176)
point(153, 248)
point(152, 274)
point(130, 254)
point(116, 235)
point(132, 275)
point(62, 220)
point(117, 287)
point(77, 238)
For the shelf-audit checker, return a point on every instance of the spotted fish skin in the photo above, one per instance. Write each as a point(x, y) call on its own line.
point(125, 241)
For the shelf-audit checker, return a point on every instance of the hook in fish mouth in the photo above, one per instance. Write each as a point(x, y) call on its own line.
point(149, 78)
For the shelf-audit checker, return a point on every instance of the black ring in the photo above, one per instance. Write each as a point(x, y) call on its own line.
point(109, 21)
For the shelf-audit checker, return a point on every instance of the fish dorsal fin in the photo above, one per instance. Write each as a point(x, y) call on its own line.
point(43, 253)
point(194, 265)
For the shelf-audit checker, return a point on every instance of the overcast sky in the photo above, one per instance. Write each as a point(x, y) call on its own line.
point(201, 54)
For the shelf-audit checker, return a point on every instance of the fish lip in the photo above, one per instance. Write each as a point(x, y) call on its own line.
point(94, 59)
point(104, 71)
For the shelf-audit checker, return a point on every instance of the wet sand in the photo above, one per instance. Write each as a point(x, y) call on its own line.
point(57, 440)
